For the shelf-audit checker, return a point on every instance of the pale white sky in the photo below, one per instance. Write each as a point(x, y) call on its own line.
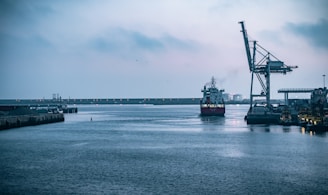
point(163, 48)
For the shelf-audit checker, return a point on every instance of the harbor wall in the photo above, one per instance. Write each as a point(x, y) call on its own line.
point(7, 122)
point(154, 101)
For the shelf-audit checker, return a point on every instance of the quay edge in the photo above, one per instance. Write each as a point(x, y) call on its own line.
point(8, 122)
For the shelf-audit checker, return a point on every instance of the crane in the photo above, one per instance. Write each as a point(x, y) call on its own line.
point(262, 63)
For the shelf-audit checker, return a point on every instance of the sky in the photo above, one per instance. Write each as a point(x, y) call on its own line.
point(155, 49)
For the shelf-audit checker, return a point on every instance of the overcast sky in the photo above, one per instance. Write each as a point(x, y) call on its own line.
point(148, 48)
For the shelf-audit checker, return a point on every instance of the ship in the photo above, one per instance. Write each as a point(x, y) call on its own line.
point(212, 103)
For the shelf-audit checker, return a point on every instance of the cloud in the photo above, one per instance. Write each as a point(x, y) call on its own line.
point(23, 13)
point(120, 40)
point(315, 33)
point(23, 45)
point(144, 42)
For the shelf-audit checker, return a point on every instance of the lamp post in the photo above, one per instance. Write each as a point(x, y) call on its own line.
point(324, 81)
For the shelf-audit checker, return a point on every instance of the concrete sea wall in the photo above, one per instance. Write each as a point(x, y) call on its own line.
point(7, 122)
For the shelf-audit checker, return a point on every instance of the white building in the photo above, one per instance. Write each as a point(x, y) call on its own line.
point(237, 97)
point(227, 97)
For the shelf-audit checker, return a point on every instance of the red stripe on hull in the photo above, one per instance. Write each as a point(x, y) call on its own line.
point(207, 111)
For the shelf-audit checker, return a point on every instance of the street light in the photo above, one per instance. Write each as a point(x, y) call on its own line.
point(324, 81)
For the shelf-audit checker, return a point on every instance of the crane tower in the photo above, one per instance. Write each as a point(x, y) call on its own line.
point(262, 63)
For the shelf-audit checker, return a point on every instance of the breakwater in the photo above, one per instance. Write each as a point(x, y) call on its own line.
point(7, 122)
point(20, 116)
point(154, 101)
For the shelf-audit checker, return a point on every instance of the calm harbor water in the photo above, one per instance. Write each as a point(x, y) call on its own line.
point(145, 149)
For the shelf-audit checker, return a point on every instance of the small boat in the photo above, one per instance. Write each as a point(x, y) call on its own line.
point(212, 103)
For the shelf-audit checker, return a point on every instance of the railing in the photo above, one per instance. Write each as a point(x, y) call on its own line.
point(296, 90)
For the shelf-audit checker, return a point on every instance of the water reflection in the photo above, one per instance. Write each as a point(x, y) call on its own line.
point(313, 132)
point(259, 128)
point(286, 129)
point(213, 119)
point(211, 123)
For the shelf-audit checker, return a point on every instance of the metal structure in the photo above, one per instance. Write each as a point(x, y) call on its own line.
point(324, 80)
point(287, 91)
point(262, 63)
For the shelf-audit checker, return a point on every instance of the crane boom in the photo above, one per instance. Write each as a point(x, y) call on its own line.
point(248, 52)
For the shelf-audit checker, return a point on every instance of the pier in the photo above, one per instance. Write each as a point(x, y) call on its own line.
point(20, 116)
point(8, 122)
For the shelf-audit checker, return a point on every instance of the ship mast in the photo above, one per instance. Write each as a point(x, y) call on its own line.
point(213, 82)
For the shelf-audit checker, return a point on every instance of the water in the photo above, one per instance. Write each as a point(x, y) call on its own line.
point(146, 149)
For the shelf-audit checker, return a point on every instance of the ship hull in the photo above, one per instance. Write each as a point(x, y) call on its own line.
point(261, 115)
point(212, 111)
point(269, 118)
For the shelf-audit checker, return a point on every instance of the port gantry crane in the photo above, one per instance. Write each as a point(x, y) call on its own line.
point(266, 65)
